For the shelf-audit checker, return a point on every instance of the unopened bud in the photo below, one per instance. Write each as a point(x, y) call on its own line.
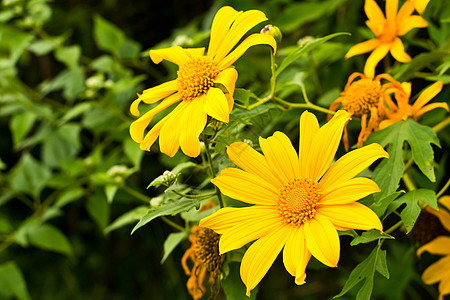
point(169, 178)
point(156, 201)
point(304, 40)
point(273, 31)
point(249, 142)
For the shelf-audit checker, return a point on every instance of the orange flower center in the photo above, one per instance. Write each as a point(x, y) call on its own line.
point(389, 33)
point(207, 250)
point(195, 77)
point(361, 96)
point(297, 201)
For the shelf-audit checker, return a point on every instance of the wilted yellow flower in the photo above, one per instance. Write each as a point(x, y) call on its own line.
point(299, 200)
point(387, 31)
point(204, 86)
point(440, 270)
point(363, 98)
point(403, 110)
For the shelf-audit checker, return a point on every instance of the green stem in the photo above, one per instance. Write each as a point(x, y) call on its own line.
point(303, 105)
point(442, 191)
point(213, 172)
point(273, 80)
point(438, 127)
point(207, 195)
point(408, 164)
point(410, 185)
point(394, 227)
point(136, 194)
point(174, 225)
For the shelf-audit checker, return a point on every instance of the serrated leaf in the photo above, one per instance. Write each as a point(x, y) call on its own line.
point(48, 237)
point(366, 271)
point(303, 49)
point(389, 172)
point(369, 236)
point(12, 282)
point(379, 207)
point(171, 242)
point(127, 218)
point(171, 207)
point(414, 200)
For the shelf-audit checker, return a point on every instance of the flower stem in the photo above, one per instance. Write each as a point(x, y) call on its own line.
point(173, 224)
point(408, 181)
point(438, 127)
point(442, 191)
point(213, 172)
point(303, 105)
point(394, 227)
point(193, 196)
point(136, 194)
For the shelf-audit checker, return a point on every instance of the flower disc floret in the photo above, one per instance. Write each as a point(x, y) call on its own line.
point(297, 201)
point(195, 77)
point(362, 96)
point(207, 250)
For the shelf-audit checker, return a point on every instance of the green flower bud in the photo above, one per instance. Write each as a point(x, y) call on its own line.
point(273, 31)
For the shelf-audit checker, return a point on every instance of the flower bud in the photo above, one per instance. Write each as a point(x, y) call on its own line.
point(168, 178)
point(273, 31)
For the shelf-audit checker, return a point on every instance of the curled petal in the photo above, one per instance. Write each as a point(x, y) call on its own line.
point(296, 255)
point(174, 54)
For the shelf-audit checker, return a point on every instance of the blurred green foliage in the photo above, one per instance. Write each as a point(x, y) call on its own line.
point(73, 183)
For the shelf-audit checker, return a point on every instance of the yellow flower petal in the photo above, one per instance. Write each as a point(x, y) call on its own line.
point(348, 191)
point(398, 51)
point(248, 159)
point(411, 22)
point(246, 187)
point(243, 23)
point(362, 48)
point(420, 5)
point(174, 54)
point(428, 94)
point(436, 271)
point(280, 156)
point(431, 106)
point(405, 11)
point(391, 9)
point(138, 127)
point(374, 58)
point(194, 52)
point(252, 40)
point(322, 240)
point(194, 121)
point(373, 11)
point(444, 286)
point(249, 230)
point(445, 200)
point(260, 256)
point(438, 246)
point(154, 94)
point(352, 215)
point(443, 216)
point(325, 144)
point(350, 165)
point(227, 218)
point(220, 27)
point(152, 135)
point(296, 255)
point(169, 137)
point(216, 105)
point(308, 129)
point(228, 78)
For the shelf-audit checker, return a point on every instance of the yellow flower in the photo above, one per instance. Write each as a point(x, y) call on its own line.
point(200, 84)
point(363, 98)
point(420, 5)
point(204, 253)
point(299, 200)
point(403, 110)
point(440, 270)
point(387, 31)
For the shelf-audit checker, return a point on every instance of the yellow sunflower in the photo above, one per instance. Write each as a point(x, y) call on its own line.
point(440, 270)
point(299, 201)
point(403, 110)
point(364, 98)
point(204, 86)
point(387, 31)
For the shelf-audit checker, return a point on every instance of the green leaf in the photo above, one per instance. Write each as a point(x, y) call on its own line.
point(171, 242)
point(303, 49)
point(110, 192)
point(369, 236)
point(388, 173)
point(14, 40)
point(107, 36)
point(69, 55)
point(12, 282)
point(71, 81)
point(379, 207)
point(20, 125)
point(98, 209)
point(243, 96)
point(133, 151)
point(69, 196)
point(75, 111)
point(233, 286)
point(43, 47)
point(129, 50)
point(30, 176)
point(171, 207)
point(414, 200)
point(48, 237)
point(127, 218)
point(61, 145)
point(366, 271)
point(104, 63)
